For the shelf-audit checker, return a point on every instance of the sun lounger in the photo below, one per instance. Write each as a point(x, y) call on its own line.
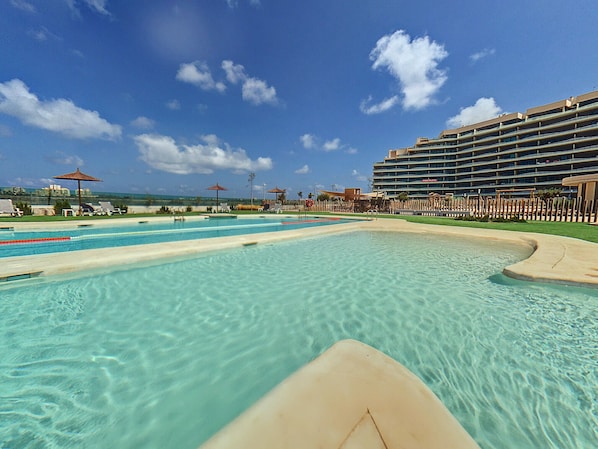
point(224, 207)
point(276, 208)
point(108, 208)
point(7, 208)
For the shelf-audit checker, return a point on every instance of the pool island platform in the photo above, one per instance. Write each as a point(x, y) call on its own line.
point(352, 396)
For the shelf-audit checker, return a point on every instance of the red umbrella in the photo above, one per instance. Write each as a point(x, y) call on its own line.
point(77, 176)
point(217, 187)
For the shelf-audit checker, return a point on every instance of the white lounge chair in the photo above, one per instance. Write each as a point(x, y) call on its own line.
point(276, 208)
point(7, 208)
point(108, 208)
point(224, 207)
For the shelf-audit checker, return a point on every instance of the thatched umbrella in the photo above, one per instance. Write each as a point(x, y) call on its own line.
point(217, 187)
point(77, 176)
point(276, 191)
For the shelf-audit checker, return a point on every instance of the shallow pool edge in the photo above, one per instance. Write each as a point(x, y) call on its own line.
point(552, 258)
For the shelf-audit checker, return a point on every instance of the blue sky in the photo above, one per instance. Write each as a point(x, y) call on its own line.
point(170, 97)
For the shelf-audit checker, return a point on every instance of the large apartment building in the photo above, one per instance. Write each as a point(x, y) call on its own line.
point(516, 151)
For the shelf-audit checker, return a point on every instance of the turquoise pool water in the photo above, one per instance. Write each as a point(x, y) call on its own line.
point(164, 356)
point(89, 236)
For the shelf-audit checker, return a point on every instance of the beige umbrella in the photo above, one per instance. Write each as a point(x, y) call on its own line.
point(217, 187)
point(276, 191)
point(77, 176)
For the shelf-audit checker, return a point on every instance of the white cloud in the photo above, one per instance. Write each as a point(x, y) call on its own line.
point(308, 141)
point(332, 145)
point(234, 72)
point(311, 142)
point(61, 116)
point(414, 63)
point(253, 90)
point(482, 54)
point(358, 176)
point(198, 74)
point(234, 3)
point(142, 122)
point(43, 34)
point(163, 153)
point(38, 35)
point(303, 170)
point(98, 5)
point(95, 5)
point(257, 92)
point(61, 158)
point(383, 106)
point(23, 6)
point(483, 109)
point(174, 105)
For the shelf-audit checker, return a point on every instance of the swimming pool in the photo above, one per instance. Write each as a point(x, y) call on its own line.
point(90, 236)
point(164, 356)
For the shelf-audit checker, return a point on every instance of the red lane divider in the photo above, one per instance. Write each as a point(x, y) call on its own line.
point(40, 240)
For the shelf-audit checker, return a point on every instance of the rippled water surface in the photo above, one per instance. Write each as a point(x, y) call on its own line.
point(164, 356)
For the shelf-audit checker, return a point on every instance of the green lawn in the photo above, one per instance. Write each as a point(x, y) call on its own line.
point(582, 231)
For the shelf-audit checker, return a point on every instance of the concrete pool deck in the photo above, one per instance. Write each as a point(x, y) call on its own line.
point(352, 396)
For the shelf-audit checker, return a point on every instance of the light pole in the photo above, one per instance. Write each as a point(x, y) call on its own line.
point(264, 193)
point(251, 178)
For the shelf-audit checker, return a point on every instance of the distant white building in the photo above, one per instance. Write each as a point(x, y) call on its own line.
point(54, 190)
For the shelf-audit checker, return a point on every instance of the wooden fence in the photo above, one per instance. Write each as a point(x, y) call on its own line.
point(530, 209)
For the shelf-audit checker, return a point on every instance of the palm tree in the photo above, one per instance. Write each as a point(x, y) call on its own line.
point(300, 195)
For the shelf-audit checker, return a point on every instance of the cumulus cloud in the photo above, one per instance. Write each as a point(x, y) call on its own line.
point(332, 145)
point(253, 90)
point(483, 109)
point(164, 153)
point(311, 142)
point(303, 170)
point(235, 73)
point(257, 92)
point(414, 64)
point(308, 141)
point(482, 54)
point(61, 116)
point(378, 108)
point(142, 122)
point(198, 74)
